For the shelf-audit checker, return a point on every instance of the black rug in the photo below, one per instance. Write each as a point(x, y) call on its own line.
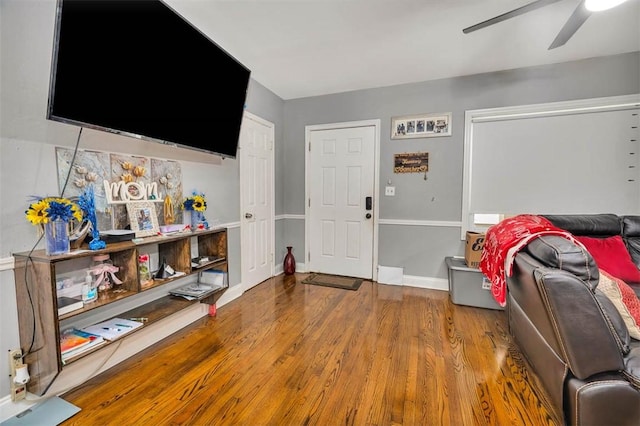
point(346, 283)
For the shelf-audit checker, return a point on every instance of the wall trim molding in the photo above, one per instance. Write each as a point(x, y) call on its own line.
point(430, 283)
point(229, 225)
point(289, 216)
point(7, 263)
point(279, 268)
point(411, 222)
point(401, 222)
point(231, 294)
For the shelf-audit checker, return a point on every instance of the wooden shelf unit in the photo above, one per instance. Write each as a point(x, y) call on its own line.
point(36, 292)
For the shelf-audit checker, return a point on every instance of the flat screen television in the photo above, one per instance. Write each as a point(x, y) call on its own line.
point(138, 68)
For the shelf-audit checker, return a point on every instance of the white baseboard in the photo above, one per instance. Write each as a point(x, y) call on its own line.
point(279, 269)
point(231, 294)
point(426, 282)
point(390, 275)
point(6, 263)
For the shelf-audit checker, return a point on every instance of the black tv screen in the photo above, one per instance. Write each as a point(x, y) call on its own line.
point(139, 69)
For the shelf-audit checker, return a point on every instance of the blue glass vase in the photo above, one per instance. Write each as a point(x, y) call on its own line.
point(56, 237)
point(197, 218)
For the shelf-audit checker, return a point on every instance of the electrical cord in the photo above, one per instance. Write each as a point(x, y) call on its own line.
point(30, 258)
point(83, 381)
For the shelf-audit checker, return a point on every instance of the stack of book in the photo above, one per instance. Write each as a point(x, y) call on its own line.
point(193, 291)
point(74, 342)
point(114, 328)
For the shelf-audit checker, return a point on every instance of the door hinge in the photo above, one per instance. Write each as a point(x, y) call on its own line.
point(309, 202)
point(309, 257)
point(309, 146)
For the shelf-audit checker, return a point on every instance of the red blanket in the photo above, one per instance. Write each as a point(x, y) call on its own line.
point(502, 243)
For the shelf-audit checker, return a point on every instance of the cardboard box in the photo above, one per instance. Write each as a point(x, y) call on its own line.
point(467, 286)
point(473, 249)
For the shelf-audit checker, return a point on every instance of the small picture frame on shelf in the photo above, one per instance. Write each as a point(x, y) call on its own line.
point(143, 218)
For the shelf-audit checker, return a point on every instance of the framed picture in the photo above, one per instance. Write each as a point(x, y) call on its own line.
point(421, 126)
point(143, 218)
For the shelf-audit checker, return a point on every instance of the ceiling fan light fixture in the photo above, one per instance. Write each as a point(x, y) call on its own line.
point(599, 5)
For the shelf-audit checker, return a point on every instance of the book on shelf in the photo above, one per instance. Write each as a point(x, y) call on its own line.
point(73, 342)
point(214, 277)
point(200, 261)
point(68, 304)
point(114, 328)
point(194, 291)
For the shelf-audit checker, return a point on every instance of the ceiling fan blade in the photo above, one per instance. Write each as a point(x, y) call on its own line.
point(508, 15)
point(574, 22)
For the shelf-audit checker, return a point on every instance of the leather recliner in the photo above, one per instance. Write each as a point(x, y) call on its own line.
point(571, 334)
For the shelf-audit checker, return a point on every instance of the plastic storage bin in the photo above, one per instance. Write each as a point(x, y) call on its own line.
point(468, 286)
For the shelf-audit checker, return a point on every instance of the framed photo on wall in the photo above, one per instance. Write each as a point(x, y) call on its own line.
point(421, 126)
point(143, 218)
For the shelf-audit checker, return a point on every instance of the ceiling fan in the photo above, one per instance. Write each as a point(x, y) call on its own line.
point(577, 18)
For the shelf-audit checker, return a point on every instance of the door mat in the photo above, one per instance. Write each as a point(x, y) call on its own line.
point(346, 283)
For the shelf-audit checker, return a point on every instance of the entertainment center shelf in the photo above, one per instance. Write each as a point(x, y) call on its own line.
point(37, 275)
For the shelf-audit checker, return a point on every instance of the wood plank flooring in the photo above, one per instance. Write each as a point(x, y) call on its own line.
point(287, 353)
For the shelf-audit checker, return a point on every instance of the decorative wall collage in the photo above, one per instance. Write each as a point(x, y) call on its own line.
point(94, 168)
point(418, 126)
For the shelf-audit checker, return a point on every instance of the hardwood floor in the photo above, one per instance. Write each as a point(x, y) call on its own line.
point(287, 353)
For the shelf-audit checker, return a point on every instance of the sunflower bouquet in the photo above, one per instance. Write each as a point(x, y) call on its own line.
point(44, 210)
point(196, 202)
point(53, 214)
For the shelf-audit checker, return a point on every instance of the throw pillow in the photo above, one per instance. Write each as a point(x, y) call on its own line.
point(612, 256)
point(624, 299)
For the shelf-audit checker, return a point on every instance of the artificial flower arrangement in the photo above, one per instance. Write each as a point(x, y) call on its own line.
point(44, 210)
point(54, 215)
point(86, 201)
point(195, 202)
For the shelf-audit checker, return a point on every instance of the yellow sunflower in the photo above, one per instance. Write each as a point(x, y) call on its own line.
point(199, 204)
point(37, 212)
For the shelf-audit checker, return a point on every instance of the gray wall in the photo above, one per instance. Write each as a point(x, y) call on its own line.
point(28, 141)
point(421, 250)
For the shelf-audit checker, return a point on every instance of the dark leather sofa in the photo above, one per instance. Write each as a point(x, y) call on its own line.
point(570, 332)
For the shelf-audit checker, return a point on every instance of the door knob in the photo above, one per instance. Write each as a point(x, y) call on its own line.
point(248, 215)
point(368, 215)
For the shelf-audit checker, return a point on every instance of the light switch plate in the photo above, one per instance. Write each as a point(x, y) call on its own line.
point(390, 191)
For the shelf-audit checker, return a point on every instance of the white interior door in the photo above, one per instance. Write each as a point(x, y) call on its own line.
point(340, 180)
point(257, 188)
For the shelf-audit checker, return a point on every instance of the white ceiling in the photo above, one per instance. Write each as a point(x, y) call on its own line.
point(300, 48)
